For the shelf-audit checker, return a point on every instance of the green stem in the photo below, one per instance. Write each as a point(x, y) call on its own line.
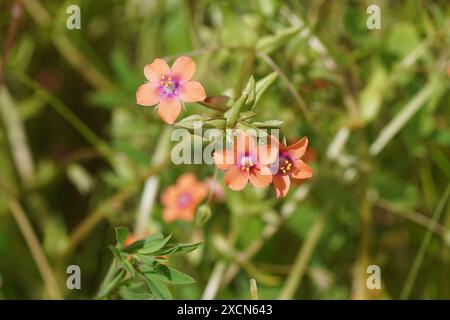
point(424, 245)
point(71, 117)
point(295, 276)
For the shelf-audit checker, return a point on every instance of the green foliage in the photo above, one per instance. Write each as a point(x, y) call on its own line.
point(138, 270)
point(79, 157)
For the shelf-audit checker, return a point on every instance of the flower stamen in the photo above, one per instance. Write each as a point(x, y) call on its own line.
point(286, 167)
point(246, 164)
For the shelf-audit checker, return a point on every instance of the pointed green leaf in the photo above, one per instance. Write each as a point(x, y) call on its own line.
point(179, 248)
point(269, 124)
point(121, 234)
point(116, 252)
point(157, 287)
point(262, 85)
point(154, 246)
point(143, 243)
point(172, 276)
point(250, 90)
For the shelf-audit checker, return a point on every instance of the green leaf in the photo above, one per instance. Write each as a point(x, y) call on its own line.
point(172, 276)
point(154, 245)
point(106, 289)
point(262, 85)
point(157, 287)
point(216, 123)
point(268, 124)
point(247, 115)
point(134, 294)
point(121, 234)
point(145, 259)
point(371, 96)
point(178, 248)
point(250, 90)
point(124, 70)
point(233, 114)
point(128, 266)
point(116, 252)
point(270, 43)
point(190, 122)
point(143, 243)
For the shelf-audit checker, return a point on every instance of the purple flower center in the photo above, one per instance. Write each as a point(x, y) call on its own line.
point(284, 165)
point(185, 200)
point(246, 163)
point(169, 87)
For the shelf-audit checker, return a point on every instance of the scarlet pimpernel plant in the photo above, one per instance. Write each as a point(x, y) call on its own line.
point(249, 155)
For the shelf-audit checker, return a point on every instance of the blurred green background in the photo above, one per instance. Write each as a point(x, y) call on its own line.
point(75, 149)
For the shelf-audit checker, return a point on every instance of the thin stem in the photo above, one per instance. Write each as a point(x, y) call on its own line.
point(253, 289)
point(272, 64)
point(304, 255)
point(212, 107)
point(424, 245)
point(108, 277)
point(213, 185)
point(35, 248)
point(214, 281)
point(413, 216)
point(16, 12)
point(71, 117)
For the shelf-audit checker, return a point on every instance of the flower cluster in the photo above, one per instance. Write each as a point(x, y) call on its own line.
point(261, 165)
point(246, 162)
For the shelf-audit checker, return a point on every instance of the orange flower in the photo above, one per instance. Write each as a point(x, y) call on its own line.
point(169, 88)
point(181, 200)
point(130, 239)
point(248, 161)
point(290, 165)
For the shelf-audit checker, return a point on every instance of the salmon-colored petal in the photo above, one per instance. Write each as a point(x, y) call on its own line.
point(154, 71)
point(236, 179)
point(260, 180)
point(303, 171)
point(186, 214)
point(298, 149)
point(183, 68)
point(275, 142)
point(169, 196)
point(224, 159)
point(282, 184)
point(192, 91)
point(169, 109)
point(186, 180)
point(169, 214)
point(199, 192)
point(267, 154)
point(245, 143)
point(147, 95)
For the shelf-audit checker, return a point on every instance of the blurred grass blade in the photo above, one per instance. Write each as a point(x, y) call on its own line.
point(424, 245)
point(17, 138)
point(407, 112)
